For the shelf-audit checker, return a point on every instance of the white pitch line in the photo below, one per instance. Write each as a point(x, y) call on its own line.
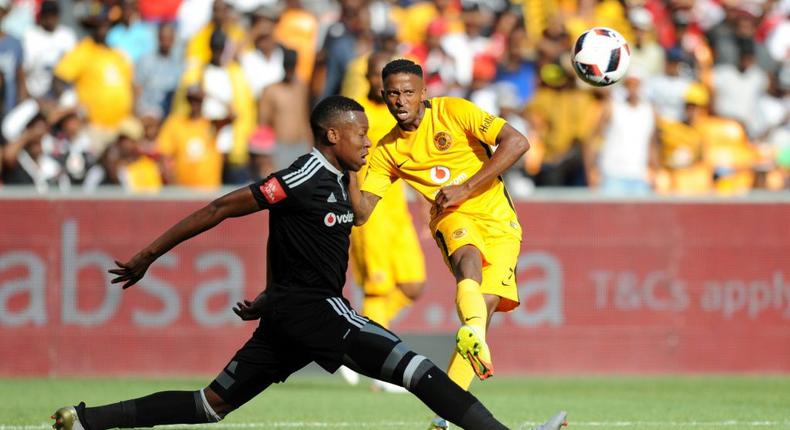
point(412, 424)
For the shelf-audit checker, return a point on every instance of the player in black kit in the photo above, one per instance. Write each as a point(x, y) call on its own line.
point(303, 315)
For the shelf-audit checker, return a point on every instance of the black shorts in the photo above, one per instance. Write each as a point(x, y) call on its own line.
point(290, 336)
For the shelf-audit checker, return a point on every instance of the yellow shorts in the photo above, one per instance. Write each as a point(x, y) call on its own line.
point(386, 255)
point(499, 247)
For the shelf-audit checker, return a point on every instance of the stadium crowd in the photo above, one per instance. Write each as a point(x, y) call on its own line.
point(143, 94)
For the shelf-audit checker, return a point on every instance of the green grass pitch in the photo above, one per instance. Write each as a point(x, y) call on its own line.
point(325, 402)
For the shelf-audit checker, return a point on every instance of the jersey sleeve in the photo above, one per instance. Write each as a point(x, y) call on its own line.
point(484, 126)
point(273, 192)
point(72, 64)
point(380, 174)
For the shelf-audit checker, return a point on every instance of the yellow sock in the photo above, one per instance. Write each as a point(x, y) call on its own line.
point(471, 306)
point(473, 312)
point(377, 309)
point(460, 371)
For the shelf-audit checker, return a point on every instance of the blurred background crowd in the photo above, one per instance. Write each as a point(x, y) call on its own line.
point(143, 94)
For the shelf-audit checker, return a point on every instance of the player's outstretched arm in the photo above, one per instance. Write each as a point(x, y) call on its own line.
point(234, 204)
point(511, 145)
point(362, 202)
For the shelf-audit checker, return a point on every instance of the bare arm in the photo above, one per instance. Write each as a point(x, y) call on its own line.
point(21, 84)
point(234, 204)
point(13, 148)
point(266, 108)
point(511, 145)
point(362, 202)
point(654, 154)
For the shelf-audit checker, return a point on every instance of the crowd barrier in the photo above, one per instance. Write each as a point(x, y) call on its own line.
point(647, 286)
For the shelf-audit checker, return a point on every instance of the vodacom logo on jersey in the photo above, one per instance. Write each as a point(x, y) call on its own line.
point(330, 219)
point(440, 174)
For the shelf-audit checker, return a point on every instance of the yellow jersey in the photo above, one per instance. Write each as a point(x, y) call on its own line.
point(355, 84)
point(450, 145)
point(191, 144)
point(198, 50)
point(729, 153)
point(298, 29)
point(141, 175)
point(102, 77)
point(681, 144)
point(242, 105)
point(681, 155)
point(569, 115)
point(413, 21)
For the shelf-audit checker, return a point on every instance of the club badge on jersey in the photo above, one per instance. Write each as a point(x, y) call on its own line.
point(442, 140)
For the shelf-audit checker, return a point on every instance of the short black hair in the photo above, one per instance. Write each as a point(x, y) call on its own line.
point(49, 8)
point(401, 65)
point(328, 110)
point(745, 46)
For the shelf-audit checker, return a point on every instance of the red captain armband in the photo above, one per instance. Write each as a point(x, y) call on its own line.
point(272, 191)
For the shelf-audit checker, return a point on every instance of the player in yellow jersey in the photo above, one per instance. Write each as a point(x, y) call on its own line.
point(391, 276)
point(444, 149)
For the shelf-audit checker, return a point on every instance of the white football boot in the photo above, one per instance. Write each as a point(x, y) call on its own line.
point(557, 422)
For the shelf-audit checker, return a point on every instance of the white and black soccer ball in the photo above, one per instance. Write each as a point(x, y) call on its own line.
point(601, 56)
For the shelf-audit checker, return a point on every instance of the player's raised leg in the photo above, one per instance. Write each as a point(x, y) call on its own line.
point(459, 370)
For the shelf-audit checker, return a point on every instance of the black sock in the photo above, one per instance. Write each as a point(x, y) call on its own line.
point(453, 403)
point(478, 417)
point(166, 407)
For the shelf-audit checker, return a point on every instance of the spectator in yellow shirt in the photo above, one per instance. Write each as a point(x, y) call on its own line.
point(727, 149)
point(564, 118)
point(137, 173)
point(188, 146)
point(102, 77)
point(227, 95)
point(704, 153)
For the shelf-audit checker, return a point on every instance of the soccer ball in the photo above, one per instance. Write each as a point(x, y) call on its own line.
point(601, 56)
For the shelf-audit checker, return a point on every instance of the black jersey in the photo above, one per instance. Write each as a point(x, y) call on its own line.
point(309, 226)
